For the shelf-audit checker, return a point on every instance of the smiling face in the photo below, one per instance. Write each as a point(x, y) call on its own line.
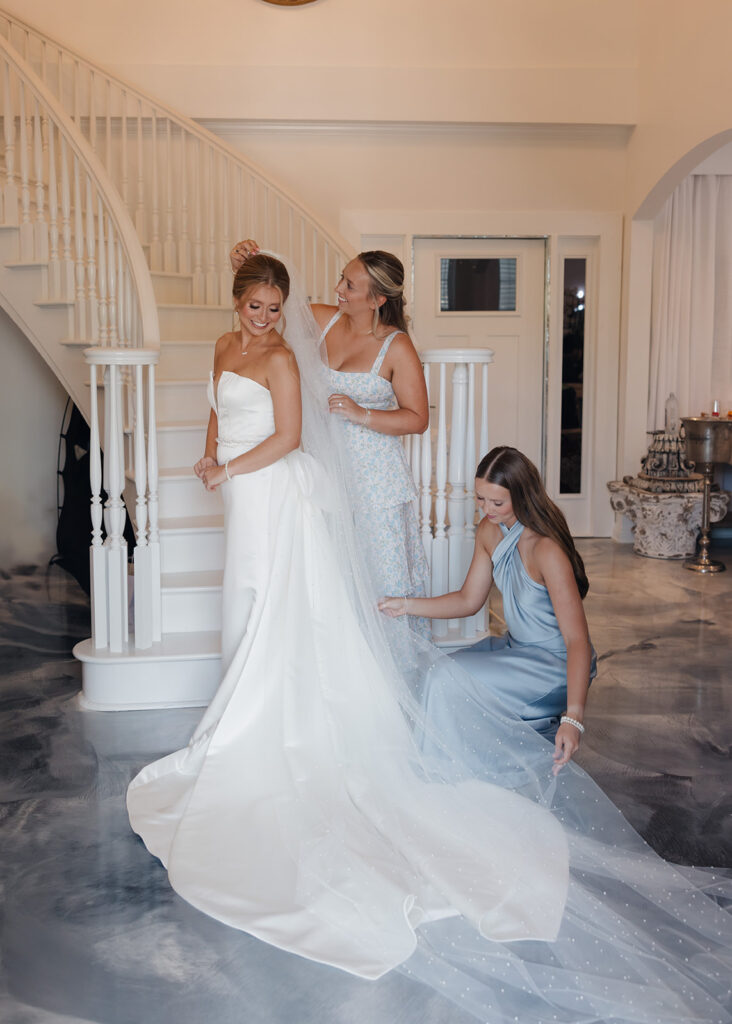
point(259, 309)
point(354, 290)
point(494, 502)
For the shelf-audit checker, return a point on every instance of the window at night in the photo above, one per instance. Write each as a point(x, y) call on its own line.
point(573, 357)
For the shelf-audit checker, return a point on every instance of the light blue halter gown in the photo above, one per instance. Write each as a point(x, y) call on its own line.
point(525, 670)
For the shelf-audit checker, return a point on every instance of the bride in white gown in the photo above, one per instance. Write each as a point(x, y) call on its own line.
point(302, 810)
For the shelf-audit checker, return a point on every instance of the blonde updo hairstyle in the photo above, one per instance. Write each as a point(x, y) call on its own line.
point(261, 269)
point(386, 274)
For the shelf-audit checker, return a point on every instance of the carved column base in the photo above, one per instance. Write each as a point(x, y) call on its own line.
point(664, 525)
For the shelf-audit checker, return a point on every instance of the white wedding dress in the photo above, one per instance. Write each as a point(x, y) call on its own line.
point(296, 812)
point(315, 808)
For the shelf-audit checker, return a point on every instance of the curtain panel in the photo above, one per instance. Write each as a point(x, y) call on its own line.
point(691, 312)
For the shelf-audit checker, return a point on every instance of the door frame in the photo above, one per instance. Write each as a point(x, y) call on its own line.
point(602, 233)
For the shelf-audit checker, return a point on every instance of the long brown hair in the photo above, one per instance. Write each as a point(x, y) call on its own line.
point(386, 274)
point(532, 506)
point(261, 269)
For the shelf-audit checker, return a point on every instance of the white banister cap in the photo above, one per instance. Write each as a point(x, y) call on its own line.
point(457, 355)
point(122, 356)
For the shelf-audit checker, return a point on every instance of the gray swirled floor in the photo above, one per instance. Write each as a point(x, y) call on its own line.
point(90, 929)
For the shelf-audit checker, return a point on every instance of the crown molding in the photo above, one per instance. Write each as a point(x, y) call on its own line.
point(584, 133)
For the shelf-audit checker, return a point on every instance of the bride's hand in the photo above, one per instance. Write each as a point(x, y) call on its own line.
point(213, 477)
point(393, 606)
point(241, 252)
point(203, 464)
point(342, 405)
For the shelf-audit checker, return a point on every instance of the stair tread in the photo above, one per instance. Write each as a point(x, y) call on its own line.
point(197, 306)
point(171, 525)
point(206, 579)
point(182, 425)
point(177, 472)
point(186, 341)
point(172, 647)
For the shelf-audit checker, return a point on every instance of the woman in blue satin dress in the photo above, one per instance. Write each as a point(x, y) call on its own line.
point(542, 667)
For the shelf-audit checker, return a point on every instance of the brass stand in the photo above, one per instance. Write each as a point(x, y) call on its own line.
point(702, 563)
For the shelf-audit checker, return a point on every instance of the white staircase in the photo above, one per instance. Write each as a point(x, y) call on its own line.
point(184, 198)
point(117, 218)
point(183, 667)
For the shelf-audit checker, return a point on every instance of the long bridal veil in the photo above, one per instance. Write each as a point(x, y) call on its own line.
point(541, 903)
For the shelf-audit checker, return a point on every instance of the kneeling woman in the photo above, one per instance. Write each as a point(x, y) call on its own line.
point(541, 668)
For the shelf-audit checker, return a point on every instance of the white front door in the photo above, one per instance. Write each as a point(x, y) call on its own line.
point(489, 293)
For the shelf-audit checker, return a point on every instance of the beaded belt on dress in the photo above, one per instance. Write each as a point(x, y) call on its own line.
point(239, 441)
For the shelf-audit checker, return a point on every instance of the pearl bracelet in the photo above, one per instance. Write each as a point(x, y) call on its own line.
point(226, 470)
point(367, 417)
point(572, 721)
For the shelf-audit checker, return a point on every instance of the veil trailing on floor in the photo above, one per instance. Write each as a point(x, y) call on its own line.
point(460, 860)
point(604, 930)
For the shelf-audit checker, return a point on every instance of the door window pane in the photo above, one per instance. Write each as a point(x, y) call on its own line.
point(477, 285)
point(573, 358)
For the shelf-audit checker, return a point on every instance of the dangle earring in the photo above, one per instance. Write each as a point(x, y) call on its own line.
point(375, 321)
point(236, 323)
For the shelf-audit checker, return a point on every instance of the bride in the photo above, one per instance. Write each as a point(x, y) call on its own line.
point(302, 810)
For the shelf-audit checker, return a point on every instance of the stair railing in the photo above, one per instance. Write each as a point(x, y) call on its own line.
point(190, 195)
point(443, 462)
point(71, 221)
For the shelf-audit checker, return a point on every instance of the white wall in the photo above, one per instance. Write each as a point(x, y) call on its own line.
point(31, 409)
point(424, 60)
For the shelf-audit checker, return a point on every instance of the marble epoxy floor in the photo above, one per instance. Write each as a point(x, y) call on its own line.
point(90, 930)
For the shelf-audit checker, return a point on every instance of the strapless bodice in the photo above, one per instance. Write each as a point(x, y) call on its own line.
point(244, 410)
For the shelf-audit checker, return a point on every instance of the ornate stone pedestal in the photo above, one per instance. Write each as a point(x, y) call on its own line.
point(664, 525)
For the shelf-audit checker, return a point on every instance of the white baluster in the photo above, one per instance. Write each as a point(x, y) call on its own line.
point(115, 512)
point(122, 323)
point(225, 271)
point(97, 553)
point(124, 157)
point(456, 480)
point(156, 249)
point(80, 274)
point(152, 477)
point(40, 227)
point(199, 280)
point(468, 626)
point(426, 484)
point(169, 249)
point(212, 277)
point(481, 619)
point(102, 302)
point(108, 134)
point(184, 253)
point(112, 285)
point(484, 446)
point(67, 260)
point(26, 227)
point(10, 189)
point(54, 264)
point(92, 110)
point(140, 210)
point(440, 543)
point(142, 578)
point(91, 266)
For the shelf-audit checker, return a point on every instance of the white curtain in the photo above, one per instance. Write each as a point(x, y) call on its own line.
point(691, 318)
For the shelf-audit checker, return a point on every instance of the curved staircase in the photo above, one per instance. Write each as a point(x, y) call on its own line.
point(178, 197)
